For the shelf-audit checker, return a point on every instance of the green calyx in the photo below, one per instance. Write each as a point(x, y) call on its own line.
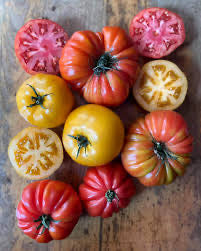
point(162, 153)
point(82, 142)
point(105, 62)
point(110, 195)
point(45, 221)
point(38, 99)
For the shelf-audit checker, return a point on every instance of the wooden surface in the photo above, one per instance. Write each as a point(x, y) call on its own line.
point(166, 218)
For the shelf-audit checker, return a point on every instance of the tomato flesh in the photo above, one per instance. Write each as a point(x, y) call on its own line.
point(156, 32)
point(38, 46)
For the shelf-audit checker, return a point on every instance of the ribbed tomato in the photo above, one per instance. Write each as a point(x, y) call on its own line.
point(102, 65)
point(106, 189)
point(157, 148)
point(48, 210)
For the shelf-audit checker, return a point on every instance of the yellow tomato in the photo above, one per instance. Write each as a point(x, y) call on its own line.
point(35, 153)
point(44, 100)
point(93, 135)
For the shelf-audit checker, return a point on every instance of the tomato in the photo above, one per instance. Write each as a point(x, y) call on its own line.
point(35, 153)
point(93, 135)
point(160, 86)
point(106, 189)
point(48, 210)
point(44, 100)
point(102, 66)
point(157, 148)
point(38, 46)
point(156, 32)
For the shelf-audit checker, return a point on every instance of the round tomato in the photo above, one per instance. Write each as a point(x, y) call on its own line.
point(157, 148)
point(48, 210)
point(44, 100)
point(106, 189)
point(38, 46)
point(93, 135)
point(101, 65)
point(160, 86)
point(156, 32)
point(35, 153)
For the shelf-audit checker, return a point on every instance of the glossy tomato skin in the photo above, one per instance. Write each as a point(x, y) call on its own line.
point(157, 148)
point(52, 198)
point(103, 130)
point(98, 181)
point(56, 105)
point(80, 57)
point(156, 32)
point(38, 45)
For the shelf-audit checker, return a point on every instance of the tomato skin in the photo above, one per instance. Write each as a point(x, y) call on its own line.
point(97, 181)
point(48, 197)
point(101, 127)
point(46, 46)
point(56, 106)
point(156, 32)
point(143, 159)
point(81, 55)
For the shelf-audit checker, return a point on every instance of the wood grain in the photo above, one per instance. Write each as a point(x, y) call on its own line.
point(158, 219)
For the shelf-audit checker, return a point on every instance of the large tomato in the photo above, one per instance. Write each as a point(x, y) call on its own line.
point(156, 32)
point(101, 65)
point(44, 100)
point(93, 135)
point(106, 189)
point(157, 148)
point(38, 46)
point(48, 210)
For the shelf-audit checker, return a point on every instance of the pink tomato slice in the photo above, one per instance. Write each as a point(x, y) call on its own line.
point(38, 46)
point(156, 32)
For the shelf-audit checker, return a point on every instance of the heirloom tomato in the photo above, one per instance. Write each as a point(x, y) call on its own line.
point(35, 153)
point(106, 189)
point(93, 135)
point(44, 100)
point(38, 46)
point(156, 32)
point(157, 148)
point(102, 65)
point(160, 86)
point(48, 210)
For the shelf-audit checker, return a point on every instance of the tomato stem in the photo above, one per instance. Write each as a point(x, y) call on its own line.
point(110, 195)
point(105, 63)
point(82, 141)
point(45, 221)
point(162, 153)
point(38, 99)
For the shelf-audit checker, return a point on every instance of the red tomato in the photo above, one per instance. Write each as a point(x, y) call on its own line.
point(156, 32)
point(106, 189)
point(101, 65)
point(157, 148)
point(38, 46)
point(48, 210)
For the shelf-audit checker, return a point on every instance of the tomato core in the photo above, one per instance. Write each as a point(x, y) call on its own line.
point(110, 195)
point(104, 63)
point(82, 141)
point(162, 152)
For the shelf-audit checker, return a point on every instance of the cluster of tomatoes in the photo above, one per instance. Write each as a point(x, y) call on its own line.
point(102, 66)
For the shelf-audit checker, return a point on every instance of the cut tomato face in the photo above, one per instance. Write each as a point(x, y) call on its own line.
point(161, 86)
point(35, 153)
point(156, 32)
point(38, 46)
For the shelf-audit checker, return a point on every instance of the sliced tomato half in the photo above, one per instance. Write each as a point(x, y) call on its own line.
point(38, 46)
point(156, 32)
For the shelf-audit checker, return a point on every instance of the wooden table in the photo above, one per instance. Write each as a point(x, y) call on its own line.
point(166, 218)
